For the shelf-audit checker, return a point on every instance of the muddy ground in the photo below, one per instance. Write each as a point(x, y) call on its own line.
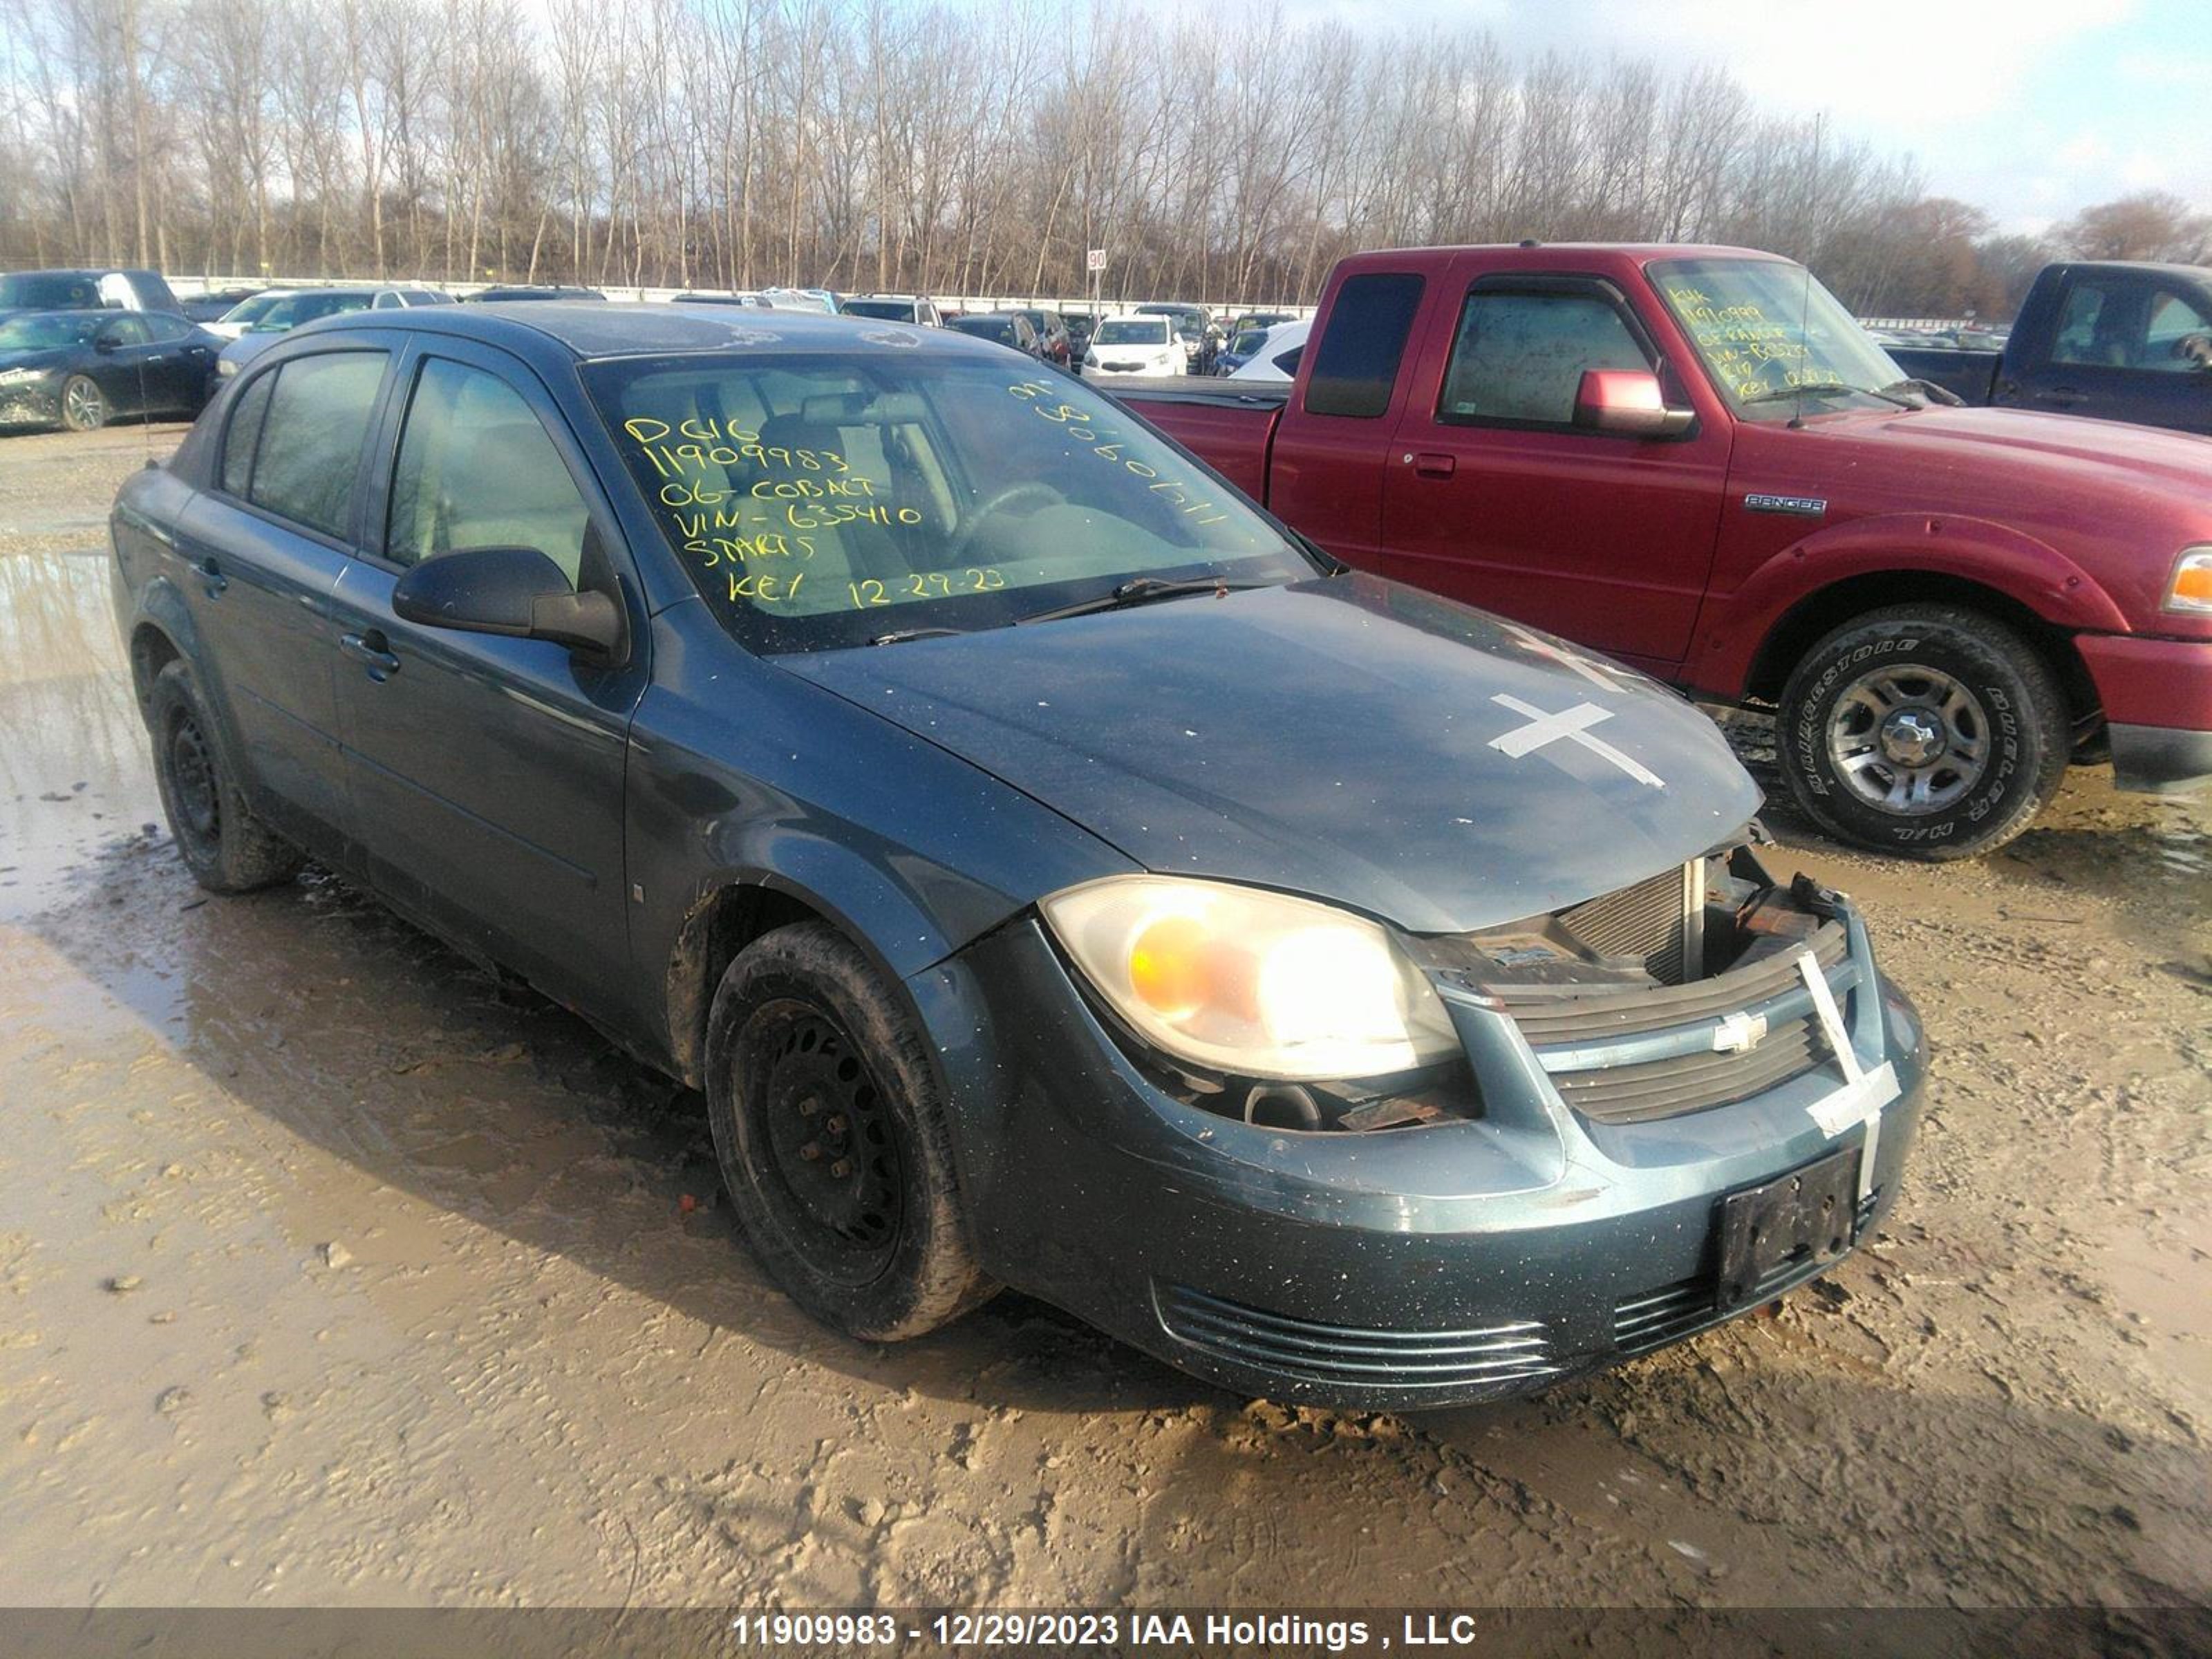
point(333, 1272)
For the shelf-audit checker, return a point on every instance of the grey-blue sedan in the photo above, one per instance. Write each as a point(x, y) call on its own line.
point(1054, 872)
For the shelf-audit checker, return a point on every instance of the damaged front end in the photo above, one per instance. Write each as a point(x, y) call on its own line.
point(1686, 990)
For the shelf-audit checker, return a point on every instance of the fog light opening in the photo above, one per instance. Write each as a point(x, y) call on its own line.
point(1282, 1106)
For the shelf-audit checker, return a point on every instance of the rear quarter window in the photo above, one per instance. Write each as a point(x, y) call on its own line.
point(1356, 363)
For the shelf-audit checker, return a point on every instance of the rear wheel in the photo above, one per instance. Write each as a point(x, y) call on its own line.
point(1932, 730)
point(225, 847)
point(84, 405)
point(832, 1138)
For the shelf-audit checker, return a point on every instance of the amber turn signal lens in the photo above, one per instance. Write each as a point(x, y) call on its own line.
point(1167, 965)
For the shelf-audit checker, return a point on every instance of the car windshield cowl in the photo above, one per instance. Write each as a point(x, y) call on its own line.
point(824, 500)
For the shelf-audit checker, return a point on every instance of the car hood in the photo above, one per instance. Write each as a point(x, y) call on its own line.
point(1980, 438)
point(248, 346)
point(1336, 738)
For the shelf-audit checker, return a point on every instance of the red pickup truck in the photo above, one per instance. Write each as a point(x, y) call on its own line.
point(1693, 459)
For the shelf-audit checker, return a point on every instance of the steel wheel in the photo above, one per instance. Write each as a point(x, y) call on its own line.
point(192, 770)
point(837, 1186)
point(1908, 738)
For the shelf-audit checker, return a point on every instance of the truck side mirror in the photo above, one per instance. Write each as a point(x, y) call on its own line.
point(1628, 403)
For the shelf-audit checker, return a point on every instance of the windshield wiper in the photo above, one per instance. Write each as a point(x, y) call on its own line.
point(1928, 392)
point(1139, 590)
point(1775, 394)
point(901, 636)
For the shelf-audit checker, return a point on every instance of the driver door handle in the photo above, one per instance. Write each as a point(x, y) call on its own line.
point(1432, 464)
point(211, 573)
point(373, 651)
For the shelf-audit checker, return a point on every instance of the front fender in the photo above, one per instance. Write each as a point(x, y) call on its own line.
point(1976, 550)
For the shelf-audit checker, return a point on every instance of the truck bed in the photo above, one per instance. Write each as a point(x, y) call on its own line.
point(1229, 422)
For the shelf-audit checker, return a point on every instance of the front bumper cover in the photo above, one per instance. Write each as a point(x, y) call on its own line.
point(1456, 1261)
point(2157, 698)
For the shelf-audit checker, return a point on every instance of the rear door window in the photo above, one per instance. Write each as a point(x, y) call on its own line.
point(1356, 364)
point(317, 426)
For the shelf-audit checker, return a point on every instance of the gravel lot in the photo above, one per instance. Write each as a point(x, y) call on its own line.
point(334, 1272)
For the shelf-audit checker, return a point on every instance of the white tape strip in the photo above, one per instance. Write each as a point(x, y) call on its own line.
point(1865, 1093)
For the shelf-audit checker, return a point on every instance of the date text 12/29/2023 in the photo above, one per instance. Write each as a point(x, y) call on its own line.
point(1064, 1630)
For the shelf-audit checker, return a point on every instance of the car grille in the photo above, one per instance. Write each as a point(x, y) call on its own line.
point(1587, 1042)
point(1658, 1317)
point(1504, 1354)
point(1664, 1088)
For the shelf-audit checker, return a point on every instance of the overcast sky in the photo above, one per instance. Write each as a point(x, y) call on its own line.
point(2030, 108)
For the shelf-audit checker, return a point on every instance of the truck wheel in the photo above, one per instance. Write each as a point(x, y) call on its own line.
point(832, 1140)
point(84, 405)
point(1927, 730)
point(225, 847)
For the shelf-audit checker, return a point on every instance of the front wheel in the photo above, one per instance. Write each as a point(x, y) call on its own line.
point(1931, 731)
point(84, 405)
point(831, 1136)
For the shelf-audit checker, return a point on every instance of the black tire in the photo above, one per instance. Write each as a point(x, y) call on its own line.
point(225, 847)
point(84, 405)
point(807, 1046)
point(1930, 697)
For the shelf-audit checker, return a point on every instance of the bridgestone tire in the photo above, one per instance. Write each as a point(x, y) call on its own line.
point(807, 974)
point(225, 847)
point(2028, 737)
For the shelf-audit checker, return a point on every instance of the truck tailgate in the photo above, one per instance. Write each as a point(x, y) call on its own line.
point(1969, 374)
point(1227, 424)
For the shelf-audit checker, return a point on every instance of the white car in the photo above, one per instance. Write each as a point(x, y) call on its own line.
point(243, 315)
point(1277, 359)
point(1147, 346)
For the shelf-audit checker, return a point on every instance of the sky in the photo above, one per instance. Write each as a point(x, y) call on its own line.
point(2030, 109)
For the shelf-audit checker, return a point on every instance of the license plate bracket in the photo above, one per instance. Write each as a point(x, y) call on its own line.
point(1796, 1219)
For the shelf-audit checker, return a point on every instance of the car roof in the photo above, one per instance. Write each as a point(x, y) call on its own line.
point(587, 331)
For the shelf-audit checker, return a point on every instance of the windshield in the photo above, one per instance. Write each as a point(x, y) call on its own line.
point(49, 333)
point(295, 309)
point(1763, 326)
point(820, 501)
point(50, 290)
point(252, 310)
point(1133, 331)
point(893, 311)
point(1000, 329)
point(1247, 343)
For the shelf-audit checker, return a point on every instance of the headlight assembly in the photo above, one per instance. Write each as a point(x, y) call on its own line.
point(1251, 983)
point(18, 376)
point(2191, 590)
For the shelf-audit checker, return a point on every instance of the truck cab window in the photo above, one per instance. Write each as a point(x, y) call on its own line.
point(1356, 364)
point(2123, 322)
point(1519, 357)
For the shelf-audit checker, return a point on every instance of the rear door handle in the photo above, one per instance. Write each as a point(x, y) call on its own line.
point(373, 651)
point(1433, 465)
point(211, 574)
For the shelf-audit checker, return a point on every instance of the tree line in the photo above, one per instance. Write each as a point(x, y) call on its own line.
point(863, 144)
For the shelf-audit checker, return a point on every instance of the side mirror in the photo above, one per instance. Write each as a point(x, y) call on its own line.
point(1628, 403)
point(513, 591)
point(104, 343)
